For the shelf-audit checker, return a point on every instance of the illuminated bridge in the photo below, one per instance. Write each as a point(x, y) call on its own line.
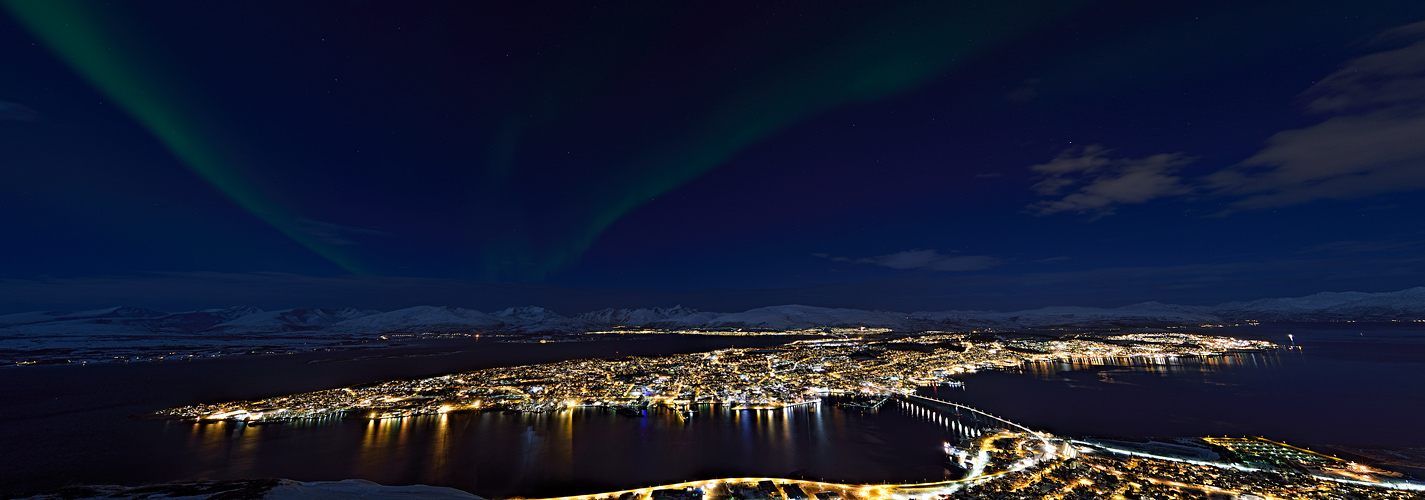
point(963, 423)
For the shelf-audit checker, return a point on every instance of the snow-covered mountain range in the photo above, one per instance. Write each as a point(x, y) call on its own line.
point(1327, 306)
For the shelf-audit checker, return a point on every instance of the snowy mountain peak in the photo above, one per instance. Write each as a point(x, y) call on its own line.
point(420, 319)
point(235, 311)
point(637, 317)
point(528, 313)
point(1332, 306)
point(288, 320)
point(1327, 306)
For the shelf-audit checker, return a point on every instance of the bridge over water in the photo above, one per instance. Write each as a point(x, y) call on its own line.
point(963, 422)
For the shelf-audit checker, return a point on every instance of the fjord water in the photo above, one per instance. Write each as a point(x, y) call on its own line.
point(578, 451)
point(1349, 384)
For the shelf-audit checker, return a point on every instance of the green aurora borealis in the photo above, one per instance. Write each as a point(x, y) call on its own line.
point(869, 54)
point(153, 93)
point(890, 51)
point(664, 146)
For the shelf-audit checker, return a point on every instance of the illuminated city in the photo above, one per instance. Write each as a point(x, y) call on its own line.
point(998, 458)
point(795, 373)
point(1081, 473)
point(727, 250)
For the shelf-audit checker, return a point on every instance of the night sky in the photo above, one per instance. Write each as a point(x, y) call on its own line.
point(720, 155)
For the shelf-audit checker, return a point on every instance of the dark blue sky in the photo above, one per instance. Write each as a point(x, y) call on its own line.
point(936, 155)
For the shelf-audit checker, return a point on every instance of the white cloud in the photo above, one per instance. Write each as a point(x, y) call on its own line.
point(334, 234)
point(1024, 93)
point(1373, 142)
point(924, 259)
point(17, 112)
point(1095, 183)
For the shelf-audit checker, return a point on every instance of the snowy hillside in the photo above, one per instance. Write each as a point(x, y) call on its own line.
point(267, 489)
point(53, 316)
point(130, 333)
point(1332, 306)
point(120, 319)
point(420, 319)
point(289, 320)
point(1327, 306)
point(671, 316)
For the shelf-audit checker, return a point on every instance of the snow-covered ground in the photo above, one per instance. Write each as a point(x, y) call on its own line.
point(129, 333)
point(356, 489)
point(262, 489)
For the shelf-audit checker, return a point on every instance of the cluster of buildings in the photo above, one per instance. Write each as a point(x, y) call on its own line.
point(1262, 453)
point(742, 332)
point(1005, 463)
point(1180, 479)
point(997, 456)
point(1100, 476)
point(1248, 468)
point(743, 378)
point(1018, 466)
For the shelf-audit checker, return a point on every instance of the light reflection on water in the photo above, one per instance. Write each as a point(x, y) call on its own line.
point(1339, 390)
point(580, 450)
point(1342, 386)
point(1162, 366)
point(592, 449)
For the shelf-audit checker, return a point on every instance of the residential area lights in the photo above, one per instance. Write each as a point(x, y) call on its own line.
point(1007, 462)
point(1011, 465)
point(741, 378)
point(1097, 475)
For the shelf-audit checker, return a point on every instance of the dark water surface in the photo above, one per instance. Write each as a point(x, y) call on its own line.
point(580, 451)
point(1350, 384)
point(63, 425)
